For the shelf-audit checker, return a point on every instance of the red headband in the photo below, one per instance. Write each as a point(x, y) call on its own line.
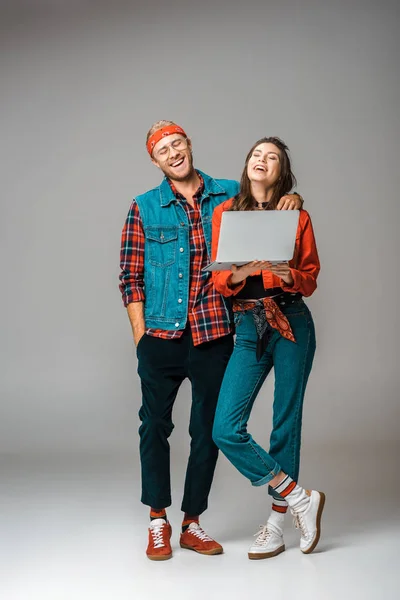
point(161, 133)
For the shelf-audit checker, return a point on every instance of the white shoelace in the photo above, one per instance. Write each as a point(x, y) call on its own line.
point(196, 530)
point(157, 533)
point(263, 535)
point(300, 524)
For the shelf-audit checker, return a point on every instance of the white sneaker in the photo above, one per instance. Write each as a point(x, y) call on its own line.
point(308, 520)
point(269, 542)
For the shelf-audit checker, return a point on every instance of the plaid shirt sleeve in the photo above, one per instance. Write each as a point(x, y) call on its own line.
point(132, 258)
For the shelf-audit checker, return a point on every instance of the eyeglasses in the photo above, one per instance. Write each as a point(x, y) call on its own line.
point(164, 152)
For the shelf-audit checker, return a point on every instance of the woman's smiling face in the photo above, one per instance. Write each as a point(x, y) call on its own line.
point(264, 165)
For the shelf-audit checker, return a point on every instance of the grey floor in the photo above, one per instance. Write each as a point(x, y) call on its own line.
point(73, 528)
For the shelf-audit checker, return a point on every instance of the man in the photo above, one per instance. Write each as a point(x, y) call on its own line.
point(181, 327)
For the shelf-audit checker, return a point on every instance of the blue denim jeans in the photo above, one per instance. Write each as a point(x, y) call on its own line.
point(243, 379)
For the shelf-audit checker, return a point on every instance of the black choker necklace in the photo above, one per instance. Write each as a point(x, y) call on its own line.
point(260, 204)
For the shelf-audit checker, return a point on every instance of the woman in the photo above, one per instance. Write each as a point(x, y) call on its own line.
point(274, 327)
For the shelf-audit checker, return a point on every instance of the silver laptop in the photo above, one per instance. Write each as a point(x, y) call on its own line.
point(255, 235)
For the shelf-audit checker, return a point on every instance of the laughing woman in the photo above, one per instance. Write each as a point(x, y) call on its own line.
point(274, 328)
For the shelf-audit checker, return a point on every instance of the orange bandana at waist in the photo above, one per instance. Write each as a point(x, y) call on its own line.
point(161, 133)
point(266, 315)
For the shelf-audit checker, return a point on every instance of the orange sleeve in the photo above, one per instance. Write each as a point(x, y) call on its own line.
point(306, 268)
point(221, 279)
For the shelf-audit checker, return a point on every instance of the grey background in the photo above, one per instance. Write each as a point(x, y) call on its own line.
point(81, 85)
point(81, 82)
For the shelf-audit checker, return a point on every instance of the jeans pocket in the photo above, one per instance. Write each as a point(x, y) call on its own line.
point(297, 313)
point(140, 343)
point(298, 309)
point(237, 317)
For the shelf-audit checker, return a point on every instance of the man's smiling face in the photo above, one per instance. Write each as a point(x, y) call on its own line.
point(173, 155)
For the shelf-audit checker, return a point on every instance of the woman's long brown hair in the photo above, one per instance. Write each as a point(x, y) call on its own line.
point(244, 200)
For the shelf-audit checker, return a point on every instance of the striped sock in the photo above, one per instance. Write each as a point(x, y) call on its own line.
point(279, 505)
point(286, 486)
point(294, 494)
point(279, 508)
point(187, 519)
point(158, 513)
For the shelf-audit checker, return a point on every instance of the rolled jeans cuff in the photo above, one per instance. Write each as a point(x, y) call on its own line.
point(277, 469)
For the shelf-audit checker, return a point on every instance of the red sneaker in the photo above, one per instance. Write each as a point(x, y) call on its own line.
point(159, 547)
point(195, 538)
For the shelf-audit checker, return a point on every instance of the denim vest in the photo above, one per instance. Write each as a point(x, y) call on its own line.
point(167, 249)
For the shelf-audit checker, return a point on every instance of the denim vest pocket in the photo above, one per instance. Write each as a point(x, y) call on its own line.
point(161, 244)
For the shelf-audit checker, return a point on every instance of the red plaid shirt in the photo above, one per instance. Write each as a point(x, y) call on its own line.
point(206, 310)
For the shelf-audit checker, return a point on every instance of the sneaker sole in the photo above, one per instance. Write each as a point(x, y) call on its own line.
point(259, 556)
point(206, 552)
point(319, 515)
point(159, 557)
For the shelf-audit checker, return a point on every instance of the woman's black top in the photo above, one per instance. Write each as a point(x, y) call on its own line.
point(254, 288)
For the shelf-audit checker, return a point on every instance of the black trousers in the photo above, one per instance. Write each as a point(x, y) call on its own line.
point(162, 366)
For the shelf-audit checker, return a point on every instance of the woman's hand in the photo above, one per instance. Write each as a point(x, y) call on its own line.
point(282, 270)
point(290, 202)
point(239, 274)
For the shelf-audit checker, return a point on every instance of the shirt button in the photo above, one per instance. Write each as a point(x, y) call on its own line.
point(176, 324)
point(182, 224)
point(180, 300)
point(181, 250)
point(180, 275)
